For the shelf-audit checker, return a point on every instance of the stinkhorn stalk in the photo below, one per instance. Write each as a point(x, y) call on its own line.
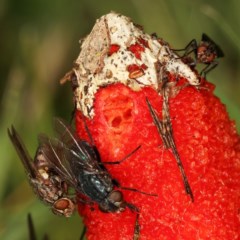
point(118, 68)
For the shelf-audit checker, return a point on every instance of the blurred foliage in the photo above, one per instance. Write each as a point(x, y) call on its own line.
point(39, 41)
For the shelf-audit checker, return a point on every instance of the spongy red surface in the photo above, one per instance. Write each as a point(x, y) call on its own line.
point(209, 148)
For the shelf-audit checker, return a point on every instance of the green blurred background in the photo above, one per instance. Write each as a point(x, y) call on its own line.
point(39, 42)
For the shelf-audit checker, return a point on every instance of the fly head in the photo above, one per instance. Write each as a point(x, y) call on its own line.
point(45, 182)
point(113, 203)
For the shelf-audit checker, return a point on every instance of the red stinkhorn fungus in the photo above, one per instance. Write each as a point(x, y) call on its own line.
point(119, 120)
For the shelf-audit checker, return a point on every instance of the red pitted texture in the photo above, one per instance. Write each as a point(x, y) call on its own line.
point(209, 148)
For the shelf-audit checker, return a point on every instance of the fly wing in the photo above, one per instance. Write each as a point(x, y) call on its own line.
point(57, 156)
point(68, 154)
point(85, 154)
point(22, 152)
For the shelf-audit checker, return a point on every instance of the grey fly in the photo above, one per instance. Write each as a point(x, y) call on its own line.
point(45, 181)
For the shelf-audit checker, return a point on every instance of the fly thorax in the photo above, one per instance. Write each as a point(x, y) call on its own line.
point(43, 173)
point(40, 159)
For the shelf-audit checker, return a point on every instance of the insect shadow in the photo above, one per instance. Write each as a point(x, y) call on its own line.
point(31, 229)
point(79, 164)
point(206, 52)
point(47, 184)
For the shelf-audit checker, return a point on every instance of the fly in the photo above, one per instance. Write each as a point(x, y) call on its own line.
point(79, 165)
point(45, 181)
point(206, 52)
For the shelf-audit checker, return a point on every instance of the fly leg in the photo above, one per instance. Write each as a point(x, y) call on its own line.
point(136, 228)
point(117, 184)
point(123, 159)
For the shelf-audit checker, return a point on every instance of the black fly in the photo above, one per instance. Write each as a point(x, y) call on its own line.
point(78, 163)
point(45, 181)
point(206, 52)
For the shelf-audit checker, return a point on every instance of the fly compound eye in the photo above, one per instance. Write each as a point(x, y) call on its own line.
point(61, 204)
point(64, 207)
point(114, 203)
point(116, 197)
